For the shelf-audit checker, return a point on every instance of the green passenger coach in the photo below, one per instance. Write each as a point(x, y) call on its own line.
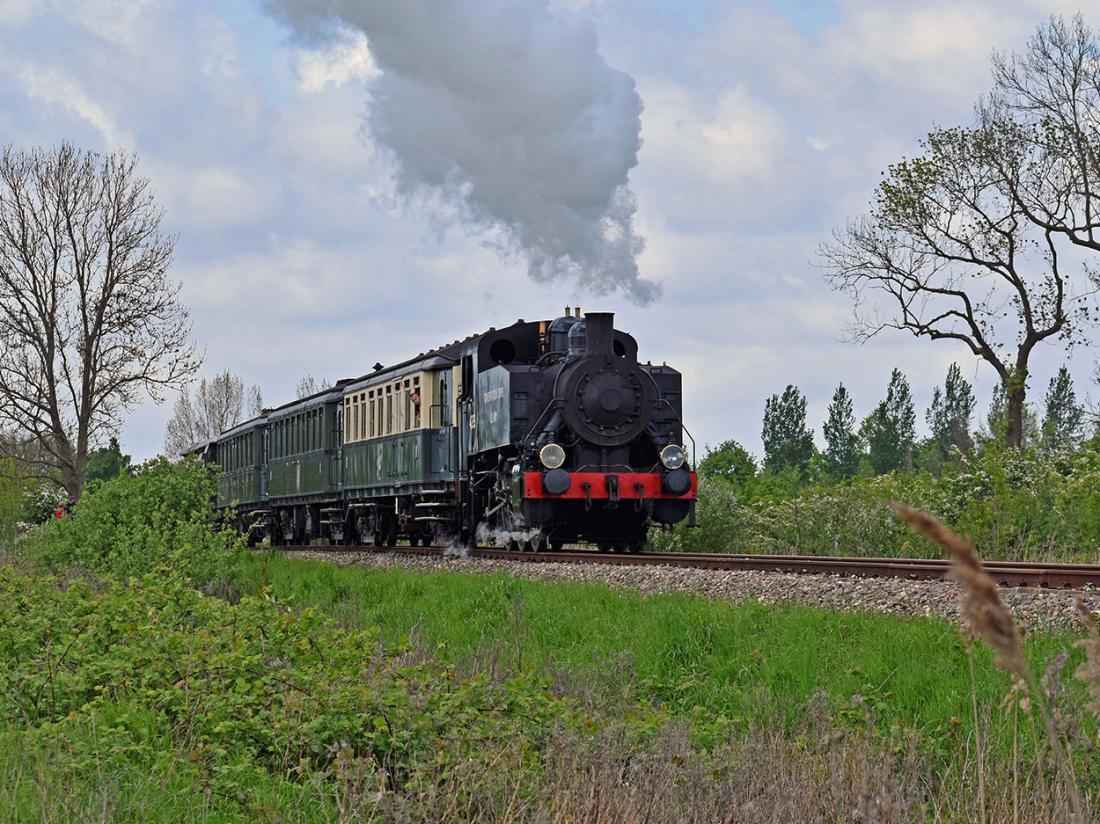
point(240, 454)
point(303, 449)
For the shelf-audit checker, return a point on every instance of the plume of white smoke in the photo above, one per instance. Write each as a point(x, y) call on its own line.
point(512, 117)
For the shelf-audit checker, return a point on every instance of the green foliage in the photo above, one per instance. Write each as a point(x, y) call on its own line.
point(41, 500)
point(788, 442)
point(1015, 504)
point(842, 444)
point(721, 665)
point(949, 416)
point(106, 463)
point(162, 516)
point(13, 490)
point(1063, 417)
point(996, 420)
point(890, 430)
point(730, 462)
point(250, 692)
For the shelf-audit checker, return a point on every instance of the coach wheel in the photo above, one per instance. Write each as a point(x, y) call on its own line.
point(634, 546)
point(605, 546)
point(391, 536)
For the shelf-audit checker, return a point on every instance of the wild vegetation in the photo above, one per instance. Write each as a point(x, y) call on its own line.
point(1037, 501)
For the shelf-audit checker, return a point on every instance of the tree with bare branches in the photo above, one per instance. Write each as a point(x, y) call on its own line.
point(1046, 103)
point(218, 404)
point(948, 254)
point(89, 320)
point(309, 385)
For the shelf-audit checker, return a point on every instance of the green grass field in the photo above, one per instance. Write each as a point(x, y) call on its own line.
point(715, 661)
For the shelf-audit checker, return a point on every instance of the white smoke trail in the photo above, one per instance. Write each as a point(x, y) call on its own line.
point(512, 117)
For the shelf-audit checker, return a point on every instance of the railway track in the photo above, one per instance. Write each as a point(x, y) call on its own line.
point(1006, 573)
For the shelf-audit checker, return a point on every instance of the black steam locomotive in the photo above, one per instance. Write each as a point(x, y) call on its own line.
point(530, 436)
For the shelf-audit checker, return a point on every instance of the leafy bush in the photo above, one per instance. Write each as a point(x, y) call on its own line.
point(245, 688)
point(162, 516)
point(1015, 504)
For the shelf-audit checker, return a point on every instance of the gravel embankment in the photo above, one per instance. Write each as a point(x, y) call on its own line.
point(1036, 610)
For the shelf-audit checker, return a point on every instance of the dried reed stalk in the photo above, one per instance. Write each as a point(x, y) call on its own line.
point(1089, 672)
point(987, 617)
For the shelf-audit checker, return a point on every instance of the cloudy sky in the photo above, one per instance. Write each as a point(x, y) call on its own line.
point(304, 248)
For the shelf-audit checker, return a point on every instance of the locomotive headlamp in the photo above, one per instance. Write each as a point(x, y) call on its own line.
point(552, 456)
point(672, 456)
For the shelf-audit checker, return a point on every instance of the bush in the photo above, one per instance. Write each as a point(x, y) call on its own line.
point(162, 516)
point(1015, 504)
point(246, 690)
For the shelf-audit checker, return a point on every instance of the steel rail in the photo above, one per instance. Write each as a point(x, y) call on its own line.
point(1005, 573)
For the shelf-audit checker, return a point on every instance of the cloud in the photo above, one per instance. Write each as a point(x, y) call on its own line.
point(347, 57)
point(512, 121)
point(56, 87)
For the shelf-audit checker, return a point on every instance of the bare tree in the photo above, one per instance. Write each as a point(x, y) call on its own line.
point(218, 404)
point(89, 321)
point(309, 385)
point(255, 401)
point(1046, 101)
point(953, 256)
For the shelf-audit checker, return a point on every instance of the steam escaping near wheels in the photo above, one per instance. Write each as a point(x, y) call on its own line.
point(511, 119)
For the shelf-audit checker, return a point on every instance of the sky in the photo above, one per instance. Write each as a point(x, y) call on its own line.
point(301, 248)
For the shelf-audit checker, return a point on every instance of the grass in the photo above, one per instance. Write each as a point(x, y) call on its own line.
point(718, 662)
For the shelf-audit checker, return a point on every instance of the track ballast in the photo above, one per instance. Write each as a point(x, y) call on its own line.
point(1005, 573)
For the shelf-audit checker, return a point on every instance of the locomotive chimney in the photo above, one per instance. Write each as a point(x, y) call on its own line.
point(600, 328)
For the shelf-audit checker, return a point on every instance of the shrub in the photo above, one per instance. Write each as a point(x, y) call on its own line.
point(1015, 504)
point(154, 665)
point(162, 516)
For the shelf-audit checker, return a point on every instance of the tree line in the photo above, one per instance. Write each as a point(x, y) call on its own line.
point(886, 439)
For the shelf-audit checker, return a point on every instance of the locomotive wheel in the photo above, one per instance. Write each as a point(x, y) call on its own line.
point(556, 546)
point(536, 543)
point(605, 546)
point(513, 545)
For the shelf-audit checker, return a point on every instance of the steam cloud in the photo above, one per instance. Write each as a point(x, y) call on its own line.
point(510, 115)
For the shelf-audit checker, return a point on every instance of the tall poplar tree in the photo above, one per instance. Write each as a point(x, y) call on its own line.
point(788, 442)
point(1063, 417)
point(842, 443)
point(949, 416)
point(890, 430)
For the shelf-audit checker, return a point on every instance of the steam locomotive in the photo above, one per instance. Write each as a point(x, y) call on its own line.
point(532, 436)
